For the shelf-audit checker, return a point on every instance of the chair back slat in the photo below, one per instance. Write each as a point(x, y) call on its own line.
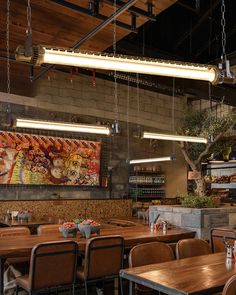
point(149, 253)
point(230, 286)
point(192, 247)
point(104, 257)
point(53, 264)
point(48, 229)
point(14, 231)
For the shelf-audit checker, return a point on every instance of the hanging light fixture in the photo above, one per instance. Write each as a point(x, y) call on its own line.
point(174, 137)
point(60, 126)
point(150, 160)
point(41, 54)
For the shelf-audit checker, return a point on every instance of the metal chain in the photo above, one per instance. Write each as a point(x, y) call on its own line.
point(138, 100)
point(223, 35)
point(173, 115)
point(29, 29)
point(127, 121)
point(115, 76)
point(8, 46)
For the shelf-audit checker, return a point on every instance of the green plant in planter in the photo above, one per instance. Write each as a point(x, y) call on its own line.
point(192, 201)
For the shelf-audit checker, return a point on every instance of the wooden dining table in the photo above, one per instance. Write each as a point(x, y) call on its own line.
point(133, 235)
point(206, 274)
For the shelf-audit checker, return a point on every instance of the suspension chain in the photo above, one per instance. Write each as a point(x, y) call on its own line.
point(223, 35)
point(138, 100)
point(127, 121)
point(115, 76)
point(8, 47)
point(29, 29)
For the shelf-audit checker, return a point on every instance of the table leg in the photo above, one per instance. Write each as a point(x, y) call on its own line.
point(2, 260)
point(130, 288)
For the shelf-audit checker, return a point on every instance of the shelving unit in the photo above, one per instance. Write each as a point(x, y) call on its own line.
point(221, 179)
point(146, 188)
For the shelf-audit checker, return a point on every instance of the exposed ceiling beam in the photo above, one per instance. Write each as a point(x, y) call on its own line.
point(93, 32)
point(88, 12)
point(133, 9)
point(197, 25)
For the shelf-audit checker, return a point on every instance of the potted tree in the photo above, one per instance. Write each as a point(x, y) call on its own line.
point(203, 123)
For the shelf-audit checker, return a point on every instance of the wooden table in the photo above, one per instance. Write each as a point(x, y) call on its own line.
point(16, 246)
point(205, 274)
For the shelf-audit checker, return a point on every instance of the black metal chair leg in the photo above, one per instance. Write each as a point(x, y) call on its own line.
point(73, 289)
point(86, 288)
point(121, 286)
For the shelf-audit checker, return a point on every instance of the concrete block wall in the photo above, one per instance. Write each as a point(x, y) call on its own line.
point(198, 220)
point(80, 102)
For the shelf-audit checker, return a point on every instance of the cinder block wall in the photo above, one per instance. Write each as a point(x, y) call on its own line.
point(80, 101)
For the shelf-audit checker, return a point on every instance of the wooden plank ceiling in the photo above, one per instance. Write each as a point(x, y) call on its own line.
point(59, 26)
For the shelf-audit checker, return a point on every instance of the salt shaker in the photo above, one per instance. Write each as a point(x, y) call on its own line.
point(229, 253)
point(164, 226)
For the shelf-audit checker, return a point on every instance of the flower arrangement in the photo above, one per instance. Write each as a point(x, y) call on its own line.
point(89, 222)
point(79, 219)
point(68, 225)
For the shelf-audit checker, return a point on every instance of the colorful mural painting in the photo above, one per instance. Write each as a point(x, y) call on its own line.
point(44, 160)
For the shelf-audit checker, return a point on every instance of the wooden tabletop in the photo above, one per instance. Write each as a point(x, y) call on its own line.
point(23, 222)
point(205, 274)
point(14, 246)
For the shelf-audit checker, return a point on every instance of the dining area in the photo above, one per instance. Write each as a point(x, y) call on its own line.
point(19, 248)
point(142, 260)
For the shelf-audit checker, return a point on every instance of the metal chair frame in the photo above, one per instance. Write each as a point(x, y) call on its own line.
point(107, 278)
point(35, 256)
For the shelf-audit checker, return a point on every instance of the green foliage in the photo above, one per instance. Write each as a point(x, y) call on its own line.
point(193, 201)
point(204, 124)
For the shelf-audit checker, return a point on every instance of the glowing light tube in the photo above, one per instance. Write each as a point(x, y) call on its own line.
point(161, 159)
point(129, 64)
point(37, 124)
point(173, 137)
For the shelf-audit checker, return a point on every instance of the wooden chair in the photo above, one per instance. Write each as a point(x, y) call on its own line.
point(149, 253)
point(48, 229)
point(230, 286)
point(22, 262)
point(52, 265)
point(14, 231)
point(192, 247)
point(103, 260)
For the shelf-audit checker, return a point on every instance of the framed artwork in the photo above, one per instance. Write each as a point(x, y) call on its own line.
point(47, 160)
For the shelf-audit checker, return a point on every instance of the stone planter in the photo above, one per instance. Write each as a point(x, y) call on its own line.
point(87, 229)
point(198, 220)
point(68, 232)
point(24, 216)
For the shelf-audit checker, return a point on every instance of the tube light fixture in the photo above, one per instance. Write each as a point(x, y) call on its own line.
point(41, 54)
point(174, 137)
point(59, 126)
point(161, 159)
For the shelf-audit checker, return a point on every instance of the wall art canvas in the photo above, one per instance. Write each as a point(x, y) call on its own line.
point(46, 160)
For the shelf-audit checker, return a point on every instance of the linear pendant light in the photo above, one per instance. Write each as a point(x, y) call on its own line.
point(41, 54)
point(161, 159)
point(173, 137)
point(38, 124)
